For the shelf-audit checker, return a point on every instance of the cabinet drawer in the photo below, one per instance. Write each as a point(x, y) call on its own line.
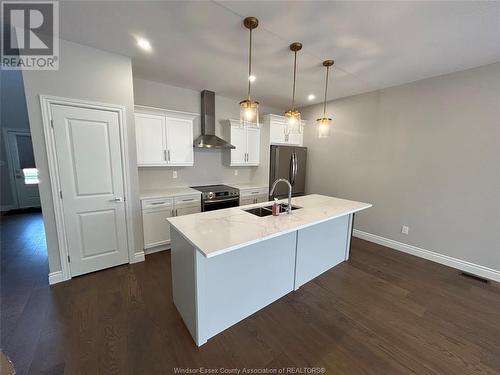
point(188, 201)
point(252, 199)
point(157, 203)
point(253, 192)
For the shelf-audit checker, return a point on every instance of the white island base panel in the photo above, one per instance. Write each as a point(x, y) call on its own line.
point(214, 293)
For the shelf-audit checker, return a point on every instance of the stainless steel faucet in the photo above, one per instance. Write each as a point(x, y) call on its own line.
point(289, 208)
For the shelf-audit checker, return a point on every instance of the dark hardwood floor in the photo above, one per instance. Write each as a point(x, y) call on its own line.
point(383, 312)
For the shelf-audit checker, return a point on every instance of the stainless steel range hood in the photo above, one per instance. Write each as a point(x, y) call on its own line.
point(208, 139)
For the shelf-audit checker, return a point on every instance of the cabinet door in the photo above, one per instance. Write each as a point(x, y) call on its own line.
point(295, 139)
point(253, 146)
point(187, 210)
point(277, 132)
point(150, 138)
point(261, 198)
point(156, 228)
point(238, 140)
point(246, 200)
point(179, 141)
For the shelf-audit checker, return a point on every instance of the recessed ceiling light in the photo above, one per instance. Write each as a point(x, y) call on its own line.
point(311, 97)
point(144, 44)
point(252, 78)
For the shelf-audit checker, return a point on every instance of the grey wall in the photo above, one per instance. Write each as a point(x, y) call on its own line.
point(208, 164)
point(13, 115)
point(89, 74)
point(426, 154)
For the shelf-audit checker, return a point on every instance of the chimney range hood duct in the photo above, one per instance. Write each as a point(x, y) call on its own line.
point(208, 139)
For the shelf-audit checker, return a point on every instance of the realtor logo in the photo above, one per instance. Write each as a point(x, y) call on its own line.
point(30, 39)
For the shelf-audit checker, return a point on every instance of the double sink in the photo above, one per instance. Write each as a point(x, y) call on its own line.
point(268, 210)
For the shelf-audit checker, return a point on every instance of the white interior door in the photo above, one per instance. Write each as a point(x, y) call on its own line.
point(150, 138)
point(179, 141)
point(253, 146)
point(23, 169)
point(90, 168)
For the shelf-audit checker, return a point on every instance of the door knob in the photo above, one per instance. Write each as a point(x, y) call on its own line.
point(117, 199)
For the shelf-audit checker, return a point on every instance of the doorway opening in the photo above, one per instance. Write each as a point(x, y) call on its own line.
point(23, 248)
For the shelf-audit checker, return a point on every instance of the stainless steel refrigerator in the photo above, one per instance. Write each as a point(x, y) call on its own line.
point(288, 162)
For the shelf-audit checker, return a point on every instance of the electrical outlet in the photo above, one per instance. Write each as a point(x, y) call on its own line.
point(174, 174)
point(405, 229)
point(236, 172)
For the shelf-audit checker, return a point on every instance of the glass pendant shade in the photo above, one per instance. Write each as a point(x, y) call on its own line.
point(325, 123)
point(249, 113)
point(249, 109)
point(293, 122)
point(324, 127)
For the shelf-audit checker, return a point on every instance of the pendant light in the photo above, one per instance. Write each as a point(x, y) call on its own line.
point(325, 123)
point(293, 122)
point(249, 109)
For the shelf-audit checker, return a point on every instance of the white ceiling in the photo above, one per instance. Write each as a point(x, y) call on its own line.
point(203, 45)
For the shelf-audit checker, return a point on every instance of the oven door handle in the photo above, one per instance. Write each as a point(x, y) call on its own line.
point(222, 200)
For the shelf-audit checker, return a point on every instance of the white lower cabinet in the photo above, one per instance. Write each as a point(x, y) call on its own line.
point(154, 218)
point(246, 200)
point(187, 205)
point(154, 221)
point(252, 196)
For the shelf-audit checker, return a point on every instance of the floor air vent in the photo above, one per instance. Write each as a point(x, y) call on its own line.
point(474, 277)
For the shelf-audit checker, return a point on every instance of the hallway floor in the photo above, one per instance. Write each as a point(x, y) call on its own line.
point(24, 280)
point(382, 312)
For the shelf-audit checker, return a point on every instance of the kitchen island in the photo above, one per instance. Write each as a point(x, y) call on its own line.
point(228, 264)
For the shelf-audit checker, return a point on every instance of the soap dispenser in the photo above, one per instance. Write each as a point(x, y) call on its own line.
point(276, 207)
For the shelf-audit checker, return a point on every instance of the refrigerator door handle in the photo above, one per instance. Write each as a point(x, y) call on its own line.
point(296, 167)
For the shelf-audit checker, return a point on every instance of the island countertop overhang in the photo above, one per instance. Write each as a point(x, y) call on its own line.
point(217, 232)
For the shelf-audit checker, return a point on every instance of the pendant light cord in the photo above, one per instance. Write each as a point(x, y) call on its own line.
point(250, 65)
point(326, 91)
point(294, 74)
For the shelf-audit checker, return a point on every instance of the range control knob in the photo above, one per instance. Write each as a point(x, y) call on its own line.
point(211, 195)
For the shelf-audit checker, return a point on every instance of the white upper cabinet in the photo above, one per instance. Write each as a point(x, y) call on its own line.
point(150, 137)
point(253, 146)
point(164, 137)
point(277, 131)
point(179, 141)
point(247, 145)
point(239, 141)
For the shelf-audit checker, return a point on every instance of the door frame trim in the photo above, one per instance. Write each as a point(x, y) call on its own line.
point(46, 101)
point(10, 161)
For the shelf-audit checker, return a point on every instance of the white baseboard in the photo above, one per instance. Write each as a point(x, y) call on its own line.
point(138, 257)
point(55, 277)
point(156, 249)
point(7, 208)
point(462, 265)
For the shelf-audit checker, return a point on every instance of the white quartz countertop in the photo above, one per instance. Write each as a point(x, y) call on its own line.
point(221, 231)
point(167, 192)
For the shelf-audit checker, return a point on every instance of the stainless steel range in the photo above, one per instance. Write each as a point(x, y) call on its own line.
point(215, 197)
